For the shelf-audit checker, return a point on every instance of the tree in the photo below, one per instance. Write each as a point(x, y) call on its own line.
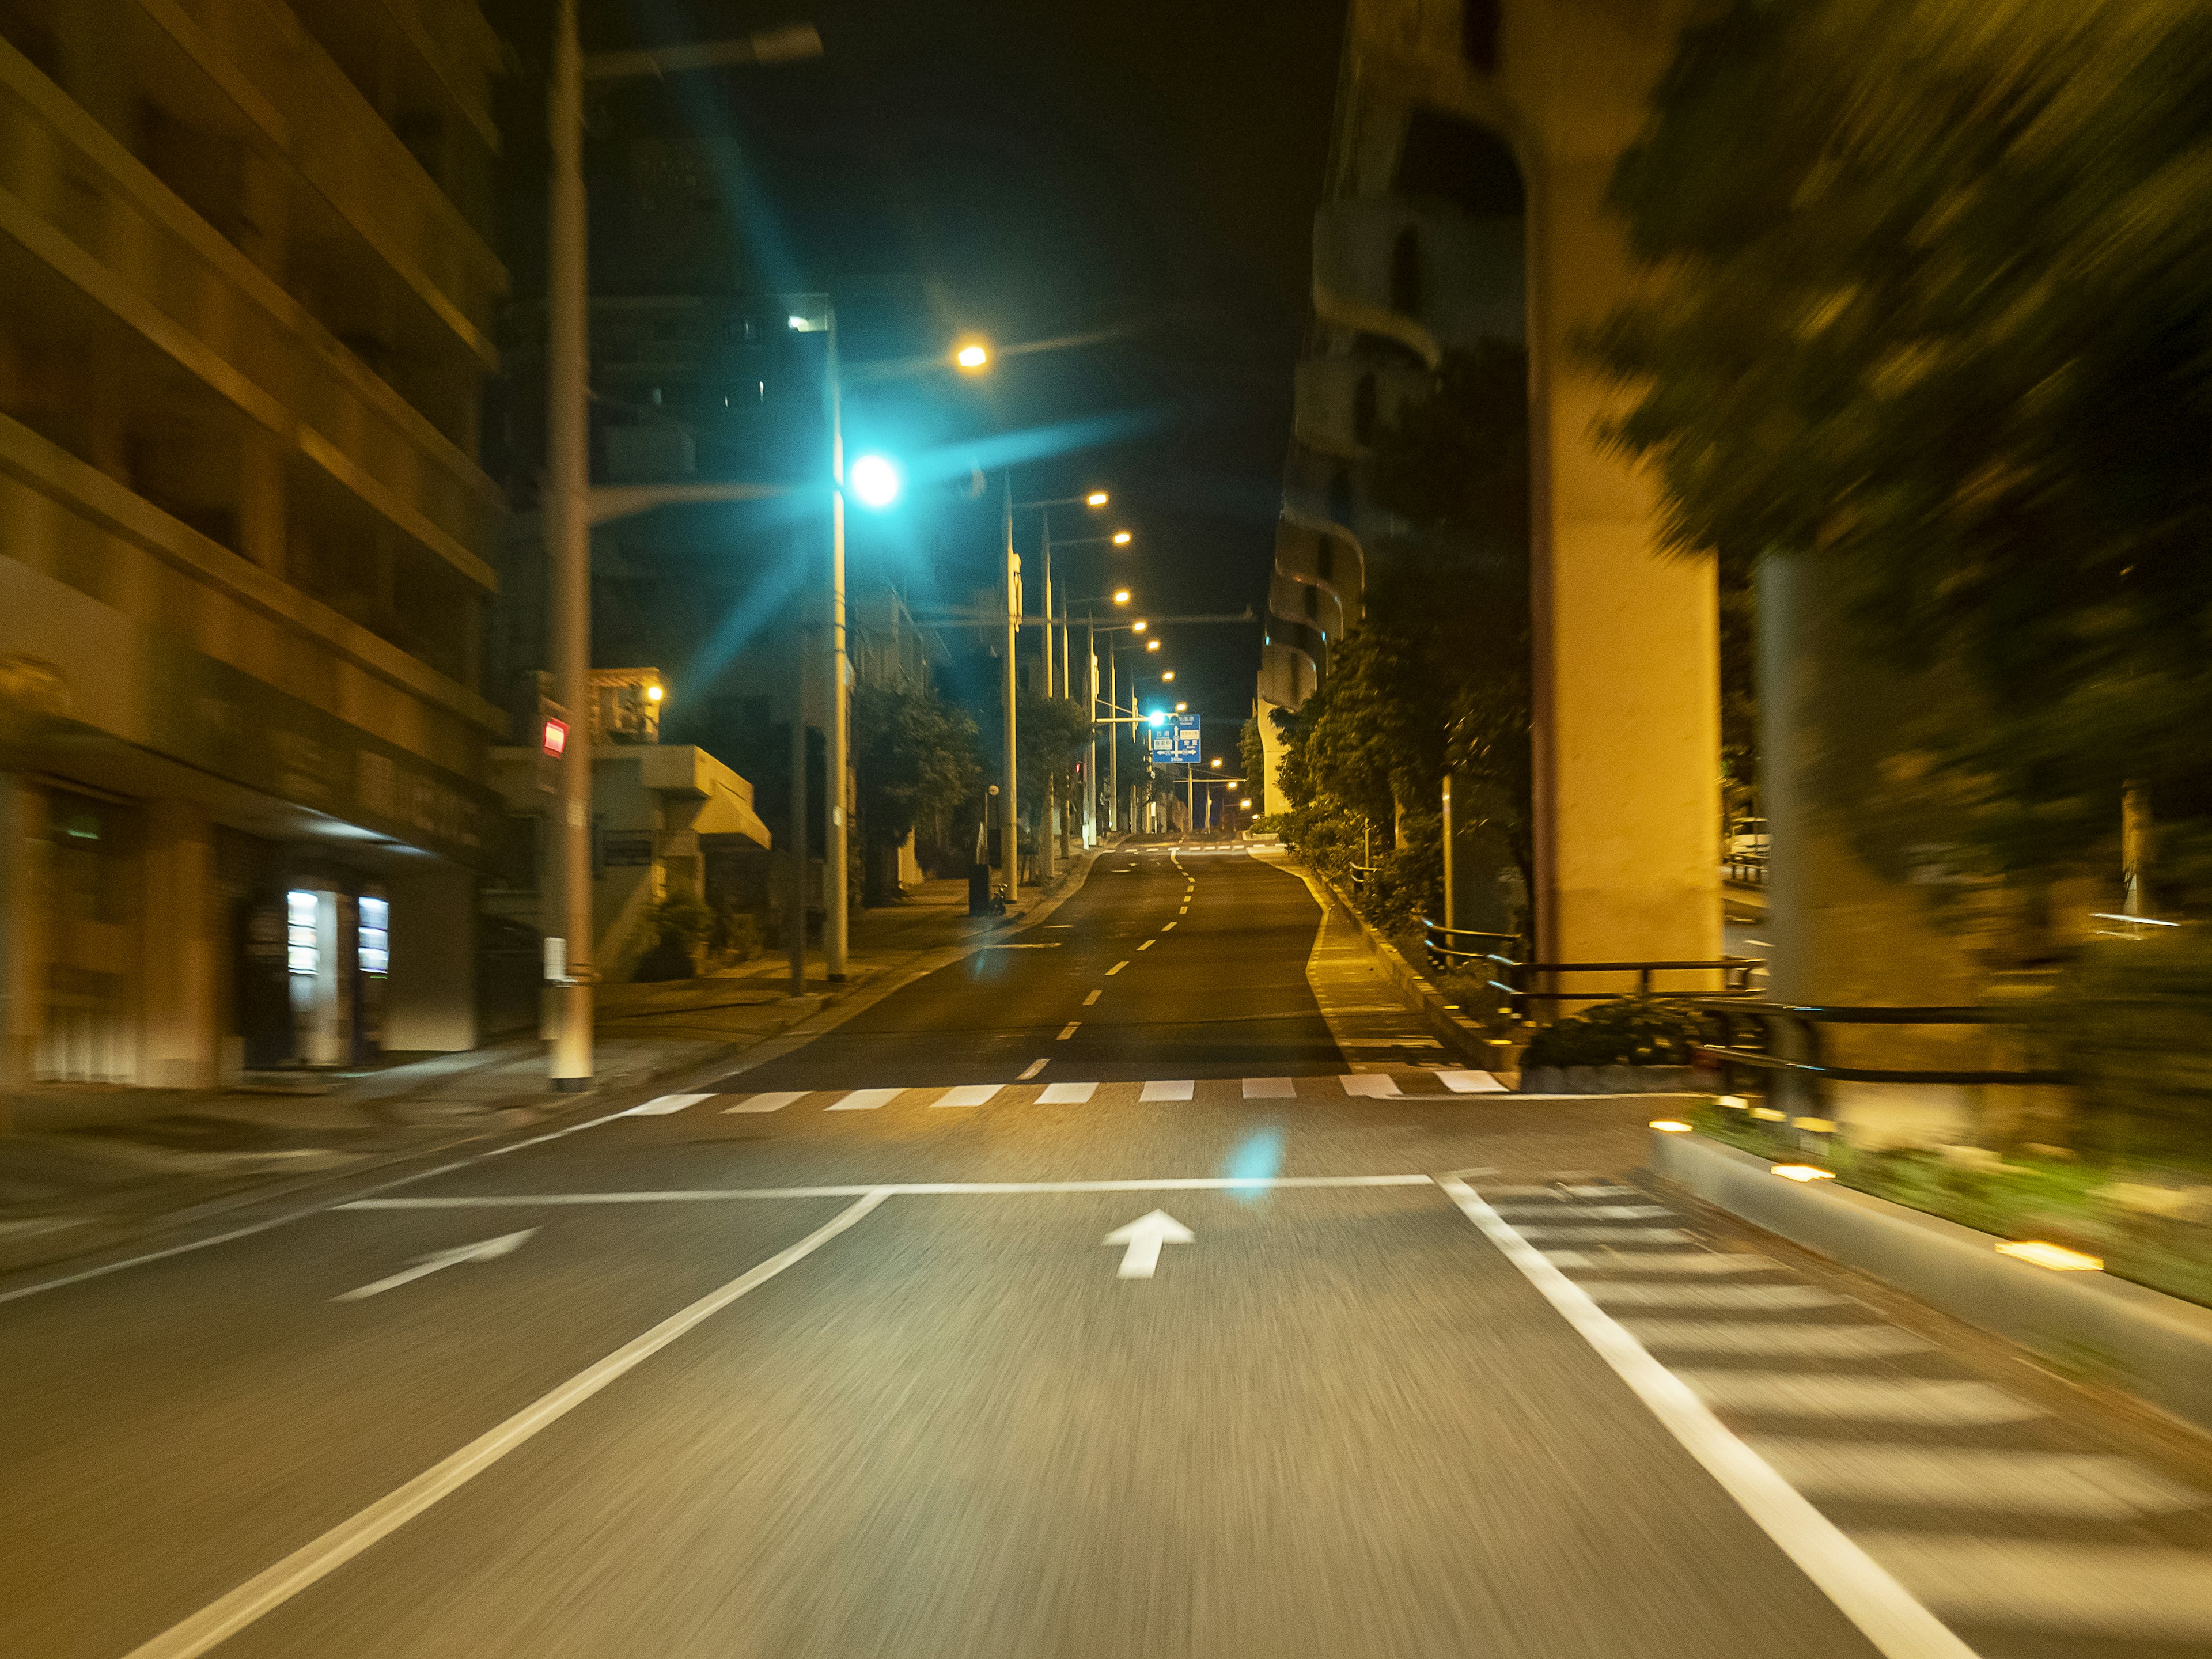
point(1948, 327)
point(1054, 736)
point(1252, 751)
point(915, 755)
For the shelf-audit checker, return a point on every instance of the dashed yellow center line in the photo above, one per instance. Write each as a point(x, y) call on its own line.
point(1093, 998)
point(1166, 927)
point(1148, 945)
point(1116, 969)
point(1067, 1030)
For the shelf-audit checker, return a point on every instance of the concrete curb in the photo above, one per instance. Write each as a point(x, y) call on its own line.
point(2157, 1347)
point(1461, 1036)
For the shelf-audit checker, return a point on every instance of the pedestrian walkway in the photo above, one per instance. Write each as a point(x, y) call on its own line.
point(1984, 1507)
point(1197, 1091)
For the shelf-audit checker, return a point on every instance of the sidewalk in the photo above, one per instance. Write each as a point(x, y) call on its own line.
point(87, 1167)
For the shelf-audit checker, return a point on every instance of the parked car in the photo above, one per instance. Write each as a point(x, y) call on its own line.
point(1747, 838)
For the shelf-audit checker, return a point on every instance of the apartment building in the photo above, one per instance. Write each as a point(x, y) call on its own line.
point(243, 532)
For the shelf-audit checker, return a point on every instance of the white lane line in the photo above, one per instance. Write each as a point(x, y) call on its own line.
point(1068, 1031)
point(1373, 1086)
point(1093, 998)
point(1471, 1082)
point(662, 1105)
point(271, 1587)
point(1885, 1613)
point(774, 1102)
point(968, 1094)
point(1601, 1191)
point(865, 1100)
point(1032, 1069)
point(1167, 1089)
point(1797, 1341)
point(910, 1189)
point(1925, 1402)
point(1270, 1088)
point(1116, 969)
point(1738, 1299)
point(1148, 945)
point(1067, 1094)
point(1585, 1211)
point(2089, 1484)
point(1696, 1263)
point(1608, 1235)
point(320, 1207)
point(2141, 1591)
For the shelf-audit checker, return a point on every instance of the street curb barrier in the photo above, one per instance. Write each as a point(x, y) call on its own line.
point(1465, 1039)
point(2155, 1347)
point(1607, 1080)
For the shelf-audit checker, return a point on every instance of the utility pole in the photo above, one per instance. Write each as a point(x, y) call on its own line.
point(1010, 849)
point(1091, 771)
point(836, 722)
point(569, 547)
point(572, 507)
point(1045, 801)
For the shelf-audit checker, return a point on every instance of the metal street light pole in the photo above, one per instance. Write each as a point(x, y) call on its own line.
point(570, 504)
point(1010, 851)
point(836, 731)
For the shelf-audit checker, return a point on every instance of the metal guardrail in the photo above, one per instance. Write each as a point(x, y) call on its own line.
point(1449, 950)
point(1803, 1024)
point(1749, 868)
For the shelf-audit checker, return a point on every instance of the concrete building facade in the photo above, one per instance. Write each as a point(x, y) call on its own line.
point(242, 533)
point(1474, 142)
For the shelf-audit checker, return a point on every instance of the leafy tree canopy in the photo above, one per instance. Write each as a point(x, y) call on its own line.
point(1937, 307)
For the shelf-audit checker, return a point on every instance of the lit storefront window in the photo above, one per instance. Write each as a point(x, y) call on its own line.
point(302, 953)
point(375, 936)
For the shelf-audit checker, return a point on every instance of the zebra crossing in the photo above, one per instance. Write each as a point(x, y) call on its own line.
point(1971, 1497)
point(1439, 1084)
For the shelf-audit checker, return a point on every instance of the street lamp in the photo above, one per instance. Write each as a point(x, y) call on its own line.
point(1184, 708)
point(570, 508)
point(1169, 677)
point(875, 481)
point(972, 356)
point(1151, 645)
point(1009, 829)
point(1120, 596)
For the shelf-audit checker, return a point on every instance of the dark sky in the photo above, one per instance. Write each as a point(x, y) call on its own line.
point(1052, 169)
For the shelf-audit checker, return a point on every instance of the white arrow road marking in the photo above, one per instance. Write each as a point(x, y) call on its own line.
point(1144, 1236)
point(505, 1245)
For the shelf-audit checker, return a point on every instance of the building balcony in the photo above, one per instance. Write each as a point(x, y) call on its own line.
point(1308, 604)
point(1344, 402)
point(250, 124)
point(1419, 272)
point(1287, 676)
point(1333, 562)
point(139, 338)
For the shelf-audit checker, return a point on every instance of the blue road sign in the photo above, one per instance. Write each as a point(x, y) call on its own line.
point(1175, 738)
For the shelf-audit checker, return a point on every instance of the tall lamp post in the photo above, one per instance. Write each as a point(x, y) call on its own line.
point(572, 505)
point(1119, 596)
point(1094, 499)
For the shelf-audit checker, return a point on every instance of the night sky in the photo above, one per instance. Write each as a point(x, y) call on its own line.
point(1146, 169)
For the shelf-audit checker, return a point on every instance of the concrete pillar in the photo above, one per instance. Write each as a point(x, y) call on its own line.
point(25, 915)
point(430, 998)
point(1856, 915)
point(180, 1047)
point(1626, 649)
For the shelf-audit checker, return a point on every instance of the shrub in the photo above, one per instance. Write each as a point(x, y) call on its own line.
point(1624, 1031)
point(2132, 1022)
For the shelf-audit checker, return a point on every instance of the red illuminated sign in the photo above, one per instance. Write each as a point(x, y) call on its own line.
point(556, 736)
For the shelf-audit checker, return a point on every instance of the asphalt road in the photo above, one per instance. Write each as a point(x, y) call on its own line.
point(871, 1349)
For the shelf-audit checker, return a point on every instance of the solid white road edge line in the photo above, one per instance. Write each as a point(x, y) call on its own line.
point(910, 1189)
point(270, 1589)
point(1898, 1626)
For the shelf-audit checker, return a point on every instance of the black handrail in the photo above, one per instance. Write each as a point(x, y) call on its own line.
point(1511, 978)
point(1804, 1021)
